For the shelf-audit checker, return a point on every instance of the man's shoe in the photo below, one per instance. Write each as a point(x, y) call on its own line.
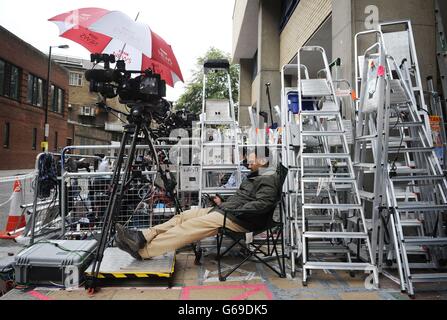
point(133, 239)
point(126, 248)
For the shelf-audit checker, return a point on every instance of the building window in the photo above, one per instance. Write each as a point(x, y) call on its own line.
point(35, 139)
point(6, 134)
point(287, 9)
point(9, 80)
point(36, 87)
point(57, 99)
point(55, 141)
point(76, 79)
point(2, 77)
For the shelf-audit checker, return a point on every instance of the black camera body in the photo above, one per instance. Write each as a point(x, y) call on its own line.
point(148, 87)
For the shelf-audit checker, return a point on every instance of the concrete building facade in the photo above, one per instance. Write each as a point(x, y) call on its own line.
point(267, 34)
point(23, 70)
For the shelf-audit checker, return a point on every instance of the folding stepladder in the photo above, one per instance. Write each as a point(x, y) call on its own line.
point(426, 180)
point(370, 129)
point(290, 152)
point(405, 167)
point(441, 49)
point(219, 150)
point(219, 140)
point(327, 184)
point(420, 150)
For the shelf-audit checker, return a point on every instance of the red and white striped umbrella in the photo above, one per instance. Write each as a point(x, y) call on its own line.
point(103, 31)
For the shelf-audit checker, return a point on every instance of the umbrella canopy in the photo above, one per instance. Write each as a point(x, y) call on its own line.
point(103, 31)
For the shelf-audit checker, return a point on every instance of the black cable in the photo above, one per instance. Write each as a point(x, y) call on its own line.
point(393, 170)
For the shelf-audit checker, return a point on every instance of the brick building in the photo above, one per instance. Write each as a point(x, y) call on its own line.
point(23, 70)
point(91, 125)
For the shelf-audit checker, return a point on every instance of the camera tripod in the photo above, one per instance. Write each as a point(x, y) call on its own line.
point(139, 120)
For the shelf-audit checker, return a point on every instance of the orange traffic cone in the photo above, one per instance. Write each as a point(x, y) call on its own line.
point(16, 220)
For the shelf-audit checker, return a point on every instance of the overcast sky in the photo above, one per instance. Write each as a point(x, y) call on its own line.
point(190, 26)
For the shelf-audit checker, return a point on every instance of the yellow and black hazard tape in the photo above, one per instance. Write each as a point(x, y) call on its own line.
point(134, 275)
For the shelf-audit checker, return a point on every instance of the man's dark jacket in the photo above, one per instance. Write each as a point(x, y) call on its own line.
point(258, 192)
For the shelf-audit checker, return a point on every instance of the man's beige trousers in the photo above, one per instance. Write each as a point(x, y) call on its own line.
point(182, 230)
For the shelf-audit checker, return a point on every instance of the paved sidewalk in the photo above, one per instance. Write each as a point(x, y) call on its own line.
point(253, 282)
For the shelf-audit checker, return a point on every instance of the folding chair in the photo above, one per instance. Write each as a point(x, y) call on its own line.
point(254, 249)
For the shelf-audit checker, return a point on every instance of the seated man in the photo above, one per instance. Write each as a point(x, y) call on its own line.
point(259, 191)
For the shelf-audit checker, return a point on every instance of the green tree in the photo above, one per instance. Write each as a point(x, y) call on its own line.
point(217, 87)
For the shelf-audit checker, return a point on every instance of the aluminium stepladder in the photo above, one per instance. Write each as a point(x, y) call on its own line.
point(429, 183)
point(409, 185)
point(219, 143)
point(426, 180)
point(290, 151)
point(219, 135)
point(327, 184)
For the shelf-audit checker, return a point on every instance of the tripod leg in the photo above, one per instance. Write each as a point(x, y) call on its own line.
point(114, 200)
point(148, 137)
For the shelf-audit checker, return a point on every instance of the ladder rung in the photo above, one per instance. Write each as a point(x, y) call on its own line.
point(219, 122)
point(367, 138)
point(406, 124)
point(421, 207)
point(411, 223)
point(334, 235)
point(322, 114)
point(322, 133)
point(332, 206)
point(418, 178)
point(409, 150)
point(429, 277)
point(326, 248)
point(339, 266)
point(217, 145)
point(410, 171)
point(327, 180)
point(369, 166)
point(367, 195)
point(219, 167)
point(326, 156)
point(321, 220)
point(425, 241)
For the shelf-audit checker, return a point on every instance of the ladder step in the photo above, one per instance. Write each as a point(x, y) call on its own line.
point(425, 241)
point(322, 133)
point(365, 166)
point(326, 156)
point(411, 223)
point(322, 114)
point(429, 277)
point(326, 248)
point(334, 235)
point(367, 138)
point(406, 124)
point(409, 171)
point(367, 195)
point(339, 266)
point(409, 150)
point(322, 220)
point(327, 179)
point(421, 207)
point(219, 122)
point(220, 167)
point(418, 178)
point(332, 206)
